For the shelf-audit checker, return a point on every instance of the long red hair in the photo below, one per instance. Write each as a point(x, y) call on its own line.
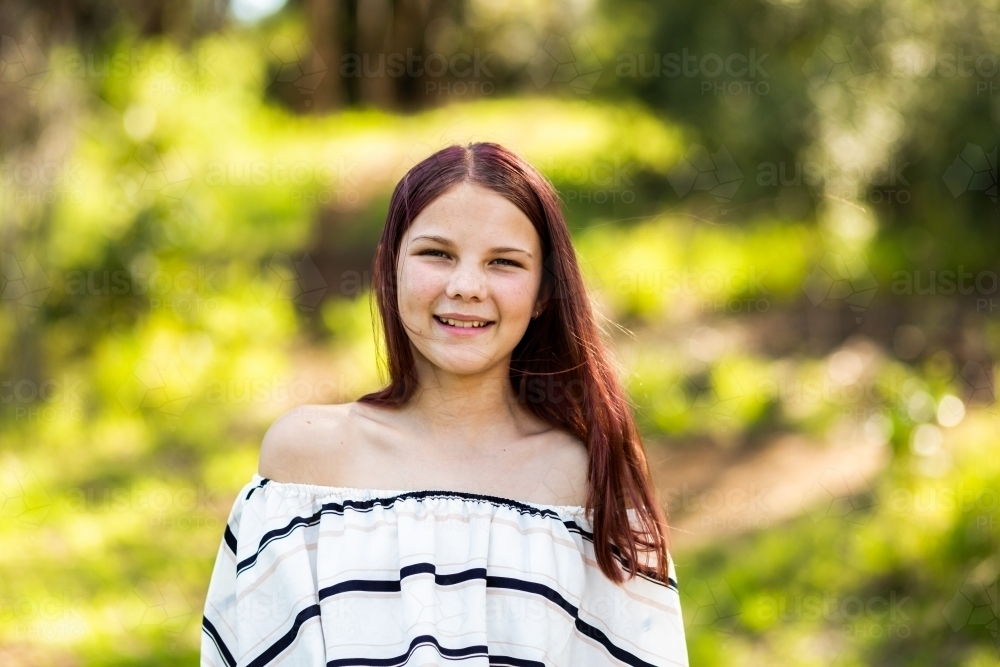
point(562, 348)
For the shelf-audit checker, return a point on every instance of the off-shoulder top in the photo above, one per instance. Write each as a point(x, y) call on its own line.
point(321, 575)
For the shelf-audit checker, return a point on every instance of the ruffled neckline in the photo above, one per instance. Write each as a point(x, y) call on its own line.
point(358, 493)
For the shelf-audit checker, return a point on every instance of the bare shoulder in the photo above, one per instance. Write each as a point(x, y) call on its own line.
point(565, 469)
point(569, 448)
point(304, 442)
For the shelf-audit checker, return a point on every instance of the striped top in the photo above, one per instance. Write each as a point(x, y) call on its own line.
point(314, 575)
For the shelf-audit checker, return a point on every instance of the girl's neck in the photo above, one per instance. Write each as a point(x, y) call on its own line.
point(476, 411)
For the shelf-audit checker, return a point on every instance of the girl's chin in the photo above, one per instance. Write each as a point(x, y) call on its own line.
point(462, 365)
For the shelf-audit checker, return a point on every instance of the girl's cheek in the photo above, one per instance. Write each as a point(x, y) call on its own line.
point(420, 285)
point(514, 296)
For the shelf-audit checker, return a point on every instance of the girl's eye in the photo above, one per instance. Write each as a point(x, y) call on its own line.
point(433, 252)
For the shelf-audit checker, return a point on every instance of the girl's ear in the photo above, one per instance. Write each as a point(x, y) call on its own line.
point(544, 296)
point(547, 288)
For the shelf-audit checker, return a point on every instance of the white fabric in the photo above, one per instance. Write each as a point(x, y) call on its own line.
point(319, 575)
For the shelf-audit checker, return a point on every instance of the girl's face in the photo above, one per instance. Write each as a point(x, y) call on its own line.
point(469, 277)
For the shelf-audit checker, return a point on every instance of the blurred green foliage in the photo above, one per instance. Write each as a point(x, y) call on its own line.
point(197, 261)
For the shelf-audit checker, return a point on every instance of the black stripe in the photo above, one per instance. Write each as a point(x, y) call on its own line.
point(511, 661)
point(581, 625)
point(366, 585)
point(576, 528)
point(509, 583)
point(230, 539)
point(368, 505)
point(228, 535)
point(443, 579)
point(280, 533)
point(496, 500)
point(263, 482)
point(645, 573)
point(531, 587)
point(275, 649)
point(402, 659)
point(615, 651)
point(396, 585)
point(209, 629)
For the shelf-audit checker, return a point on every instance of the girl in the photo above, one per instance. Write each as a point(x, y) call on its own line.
point(492, 505)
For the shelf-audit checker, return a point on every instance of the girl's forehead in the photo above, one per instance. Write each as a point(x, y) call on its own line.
point(466, 198)
point(472, 214)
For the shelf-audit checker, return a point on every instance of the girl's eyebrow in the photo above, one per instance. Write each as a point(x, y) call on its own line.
point(447, 242)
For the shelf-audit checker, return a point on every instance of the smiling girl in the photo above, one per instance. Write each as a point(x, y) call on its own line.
point(492, 505)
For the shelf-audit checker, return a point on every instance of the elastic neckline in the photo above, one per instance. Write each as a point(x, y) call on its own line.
point(372, 494)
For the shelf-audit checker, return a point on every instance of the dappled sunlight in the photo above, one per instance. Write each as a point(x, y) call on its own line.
point(800, 287)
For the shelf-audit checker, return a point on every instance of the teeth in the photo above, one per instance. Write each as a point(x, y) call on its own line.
point(463, 324)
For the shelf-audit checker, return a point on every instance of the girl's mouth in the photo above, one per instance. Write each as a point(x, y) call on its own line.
point(451, 323)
